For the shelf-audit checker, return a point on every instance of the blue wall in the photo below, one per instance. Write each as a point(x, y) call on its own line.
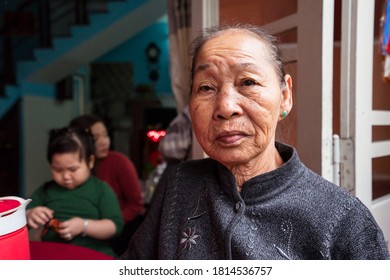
point(133, 51)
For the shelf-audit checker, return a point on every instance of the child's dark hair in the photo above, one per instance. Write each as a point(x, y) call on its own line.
point(68, 140)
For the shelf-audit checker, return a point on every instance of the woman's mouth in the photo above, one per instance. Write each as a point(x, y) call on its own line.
point(230, 137)
point(101, 153)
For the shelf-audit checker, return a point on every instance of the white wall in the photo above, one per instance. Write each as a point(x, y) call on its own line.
point(39, 115)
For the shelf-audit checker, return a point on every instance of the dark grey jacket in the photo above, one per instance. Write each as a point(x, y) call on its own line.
point(289, 213)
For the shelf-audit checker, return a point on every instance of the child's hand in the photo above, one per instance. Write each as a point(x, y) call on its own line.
point(39, 215)
point(71, 228)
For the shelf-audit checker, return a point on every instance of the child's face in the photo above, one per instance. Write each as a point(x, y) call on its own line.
point(68, 170)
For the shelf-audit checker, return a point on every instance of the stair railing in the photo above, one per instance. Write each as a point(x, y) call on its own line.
point(33, 24)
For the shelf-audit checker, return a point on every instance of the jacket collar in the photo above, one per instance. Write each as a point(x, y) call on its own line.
point(267, 185)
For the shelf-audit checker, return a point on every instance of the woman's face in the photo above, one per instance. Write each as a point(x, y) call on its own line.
point(237, 98)
point(102, 140)
point(69, 171)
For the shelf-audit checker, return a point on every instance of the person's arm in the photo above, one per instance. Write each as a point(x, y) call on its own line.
point(361, 238)
point(110, 224)
point(37, 214)
point(98, 229)
point(369, 244)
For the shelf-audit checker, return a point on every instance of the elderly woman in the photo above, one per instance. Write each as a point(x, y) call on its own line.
point(253, 198)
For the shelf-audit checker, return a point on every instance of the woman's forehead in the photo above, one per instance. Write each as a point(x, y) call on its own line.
point(236, 35)
point(233, 48)
point(234, 42)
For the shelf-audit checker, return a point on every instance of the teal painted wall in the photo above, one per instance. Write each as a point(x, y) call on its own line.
point(133, 51)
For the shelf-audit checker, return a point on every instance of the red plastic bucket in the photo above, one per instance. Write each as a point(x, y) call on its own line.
point(14, 241)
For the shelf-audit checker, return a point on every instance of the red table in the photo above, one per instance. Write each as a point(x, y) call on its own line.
point(61, 251)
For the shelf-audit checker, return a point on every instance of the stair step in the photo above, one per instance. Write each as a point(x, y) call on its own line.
point(83, 31)
point(64, 47)
point(62, 43)
point(12, 95)
point(12, 91)
point(41, 53)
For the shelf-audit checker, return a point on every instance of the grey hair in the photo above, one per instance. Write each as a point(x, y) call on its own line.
point(270, 41)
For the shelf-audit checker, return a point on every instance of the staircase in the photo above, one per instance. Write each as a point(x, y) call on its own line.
point(104, 31)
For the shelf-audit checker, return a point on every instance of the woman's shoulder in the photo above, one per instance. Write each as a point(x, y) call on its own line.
point(191, 172)
point(112, 161)
point(316, 185)
point(331, 197)
point(197, 166)
point(115, 155)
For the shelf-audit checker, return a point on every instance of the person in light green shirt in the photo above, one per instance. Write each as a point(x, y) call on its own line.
point(86, 208)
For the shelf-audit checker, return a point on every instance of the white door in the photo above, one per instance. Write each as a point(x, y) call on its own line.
point(357, 150)
point(313, 55)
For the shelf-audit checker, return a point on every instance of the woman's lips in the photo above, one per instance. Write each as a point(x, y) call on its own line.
point(103, 151)
point(229, 138)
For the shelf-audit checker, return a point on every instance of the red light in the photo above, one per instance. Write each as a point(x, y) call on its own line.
point(155, 135)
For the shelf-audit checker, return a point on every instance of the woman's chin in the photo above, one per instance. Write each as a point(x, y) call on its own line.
point(230, 159)
point(102, 154)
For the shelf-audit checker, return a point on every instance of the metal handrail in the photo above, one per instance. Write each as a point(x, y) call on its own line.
point(48, 17)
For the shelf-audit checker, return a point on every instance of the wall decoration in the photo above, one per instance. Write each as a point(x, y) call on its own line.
point(385, 41)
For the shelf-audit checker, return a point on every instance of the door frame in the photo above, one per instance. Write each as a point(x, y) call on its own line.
point(357, 117)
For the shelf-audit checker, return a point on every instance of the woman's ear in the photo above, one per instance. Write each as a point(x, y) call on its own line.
point(287, 100)
point(91, 162)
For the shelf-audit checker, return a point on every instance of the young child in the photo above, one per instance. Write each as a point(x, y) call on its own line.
point(119, 172)
point(85, 207)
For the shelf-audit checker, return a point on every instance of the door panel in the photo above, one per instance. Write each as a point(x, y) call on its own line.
point(358, 119)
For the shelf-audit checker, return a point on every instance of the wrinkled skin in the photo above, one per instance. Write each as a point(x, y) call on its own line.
point(236, 102)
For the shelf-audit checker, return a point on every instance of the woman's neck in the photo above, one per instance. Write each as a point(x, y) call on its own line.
point(262, 164)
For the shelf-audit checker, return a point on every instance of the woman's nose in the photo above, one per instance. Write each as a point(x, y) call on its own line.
point(227, 104)
point(102, 142)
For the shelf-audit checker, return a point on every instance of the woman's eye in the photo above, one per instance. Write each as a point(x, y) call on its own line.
point(205, 88)
point(248, 83)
